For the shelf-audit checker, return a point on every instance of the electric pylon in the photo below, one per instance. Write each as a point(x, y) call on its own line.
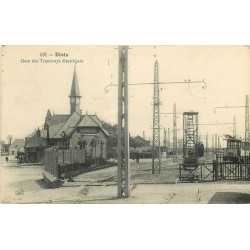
point(156, 156)
point(174, 135)
point(123, 134)
point(234, 127)
point(169, 139)
point(207, 142)
point(247, 122)
point(165, 140)
point(213, 144)
point(216, 143)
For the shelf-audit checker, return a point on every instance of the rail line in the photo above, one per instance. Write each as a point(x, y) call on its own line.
point(173, 192)
point(94, 189)
point(95, 185)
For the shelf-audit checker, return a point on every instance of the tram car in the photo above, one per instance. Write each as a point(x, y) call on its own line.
point(235, 148)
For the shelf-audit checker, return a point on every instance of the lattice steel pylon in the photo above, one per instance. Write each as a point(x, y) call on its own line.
point(213, 144)
point(190, 134)
point(123, 134)
point(207, 142)
point(174, 134)
point(168, 141)
point(247, 139)
point(234, 127)
point(216, 143)
point(156, 156)
point(165, 140)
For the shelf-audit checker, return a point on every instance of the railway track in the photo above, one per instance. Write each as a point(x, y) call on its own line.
point(90, 188)
point(98, 187)
point(174, 192)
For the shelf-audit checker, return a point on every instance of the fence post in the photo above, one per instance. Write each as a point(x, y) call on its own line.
point(179, 171)
point(248, 165)
point(216, 169)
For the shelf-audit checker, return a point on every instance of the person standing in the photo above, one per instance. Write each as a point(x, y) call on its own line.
point(137, 157)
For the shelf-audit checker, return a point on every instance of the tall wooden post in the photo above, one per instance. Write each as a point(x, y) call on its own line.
point(123, 134)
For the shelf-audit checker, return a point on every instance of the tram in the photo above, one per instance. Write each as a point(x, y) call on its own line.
point(235, 148)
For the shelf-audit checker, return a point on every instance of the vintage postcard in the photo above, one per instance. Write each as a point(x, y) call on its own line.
point(125, 124)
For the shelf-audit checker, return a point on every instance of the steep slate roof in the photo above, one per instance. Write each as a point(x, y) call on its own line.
point(43, 132)
point(87, 121)
point(35, 141)
point(31, 135)
point(140, 142)
point(55, 119)
point(69, 126)
point(18, 143)
point(92, 121)
point(53, 130)
point(96, 119)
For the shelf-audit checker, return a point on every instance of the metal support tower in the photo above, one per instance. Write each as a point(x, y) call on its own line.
point(213, 144)
point(123, 134)
point(234, 127)
point(207, 142)
point(156, 157)
point(165, 140)
point(190, 135)
point(216, 143)
point(247, 139)
point(169, 139)
point(174, 134)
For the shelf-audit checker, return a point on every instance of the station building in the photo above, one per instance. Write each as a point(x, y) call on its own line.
point(68, 131)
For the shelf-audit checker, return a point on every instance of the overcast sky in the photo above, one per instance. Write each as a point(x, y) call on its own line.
point(30, 89)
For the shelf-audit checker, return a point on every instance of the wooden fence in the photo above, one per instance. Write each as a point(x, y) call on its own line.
point(223, 168)
point(58, 162)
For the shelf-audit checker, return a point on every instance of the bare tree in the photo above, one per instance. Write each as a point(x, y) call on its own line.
point(9, 138)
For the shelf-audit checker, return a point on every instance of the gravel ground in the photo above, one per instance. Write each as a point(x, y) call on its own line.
point(24, 184)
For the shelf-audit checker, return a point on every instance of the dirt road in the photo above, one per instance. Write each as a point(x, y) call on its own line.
point(24, 184)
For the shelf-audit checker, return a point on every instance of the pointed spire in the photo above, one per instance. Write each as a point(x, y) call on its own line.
point(75, 87)
point(48, 114)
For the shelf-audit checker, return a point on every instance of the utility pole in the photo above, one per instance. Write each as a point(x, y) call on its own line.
point(207, 142)
point(234, 127)
point(216, 141)
point(168, 139)
point(123, 134)
point(174, 135)
point(247, 139)
point(156, 159)
point(212, 143)
point(165, 140)
point(144, 135)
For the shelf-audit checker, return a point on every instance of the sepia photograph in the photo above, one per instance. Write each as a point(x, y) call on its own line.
point(125, 124)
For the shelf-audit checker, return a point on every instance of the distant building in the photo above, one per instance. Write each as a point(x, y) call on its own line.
point(4, 148)
point(69, 131)
point(139, 144)
point(17, 147)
